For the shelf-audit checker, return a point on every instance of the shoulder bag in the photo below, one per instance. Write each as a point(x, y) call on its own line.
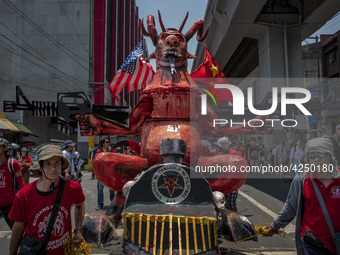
point(335, 236)
point(32, 246)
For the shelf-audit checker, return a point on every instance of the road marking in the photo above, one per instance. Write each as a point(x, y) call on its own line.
point(5, 234)
point(265, 253)
point(290, 228)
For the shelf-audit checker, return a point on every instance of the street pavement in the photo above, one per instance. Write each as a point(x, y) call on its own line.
point(259, 199)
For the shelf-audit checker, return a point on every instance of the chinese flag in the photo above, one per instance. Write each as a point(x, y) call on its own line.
point(210, 69)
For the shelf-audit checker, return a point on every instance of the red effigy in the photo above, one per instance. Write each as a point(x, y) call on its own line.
point(169, 107)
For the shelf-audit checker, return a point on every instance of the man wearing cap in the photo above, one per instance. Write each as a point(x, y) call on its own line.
point(33, 205)
point(68, 153)
point(8, 171)
point(25, 162)
point(312, 235)
point(253, 153)
point(336, 143)
point(282, 157)
point(224, 148)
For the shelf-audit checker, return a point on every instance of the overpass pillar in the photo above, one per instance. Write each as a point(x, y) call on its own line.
point(277, 51)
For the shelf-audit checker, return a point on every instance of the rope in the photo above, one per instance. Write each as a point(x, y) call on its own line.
point(84, 248)
point(261, 230)
point(81, 248)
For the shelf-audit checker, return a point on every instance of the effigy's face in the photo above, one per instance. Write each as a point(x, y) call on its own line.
point(171, 50)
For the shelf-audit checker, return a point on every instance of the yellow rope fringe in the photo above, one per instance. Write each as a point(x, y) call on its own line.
point(261, 230)
point(82, 248)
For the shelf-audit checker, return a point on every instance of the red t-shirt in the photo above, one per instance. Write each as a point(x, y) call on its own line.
point(241, 151)
point(313, 218)
point(6, 182)
point(35, 208)
point(231, 152)
point(27, 159)
point(101, 150)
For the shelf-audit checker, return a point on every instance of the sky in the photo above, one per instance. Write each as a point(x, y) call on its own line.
point(173, 13)
point(332, 26)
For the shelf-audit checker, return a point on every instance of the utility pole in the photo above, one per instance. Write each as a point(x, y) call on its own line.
point(91, 85)
point(320, 91)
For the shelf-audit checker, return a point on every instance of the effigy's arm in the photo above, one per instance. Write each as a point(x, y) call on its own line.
point(96, 124)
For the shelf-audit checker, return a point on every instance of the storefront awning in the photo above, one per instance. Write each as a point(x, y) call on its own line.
point(8, 125)
point(23, 129)
point(15, 127)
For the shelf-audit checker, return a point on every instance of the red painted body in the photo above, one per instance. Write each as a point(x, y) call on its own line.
point(167, 109)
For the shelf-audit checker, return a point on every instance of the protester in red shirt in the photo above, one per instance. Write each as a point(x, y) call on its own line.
point(7, 187)
point(33, 205)
point(224, 147)
point(312, 233)
point(240, 150)
point(25, 162)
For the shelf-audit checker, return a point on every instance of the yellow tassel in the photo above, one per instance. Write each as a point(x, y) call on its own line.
point(179, 235)
point(147, 233)
point(155, 237)
point(140, 230)
point(209, 238)
point(133, 229)
point(187, 234)
point(170, 234)
point(162, 235)
point(195, 234)
point(203, 236)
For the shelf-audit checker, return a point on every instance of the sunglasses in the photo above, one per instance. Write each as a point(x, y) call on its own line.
point(107, 142)
point(319, 155)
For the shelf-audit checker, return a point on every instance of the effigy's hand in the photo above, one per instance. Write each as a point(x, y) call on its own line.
point(89, 124)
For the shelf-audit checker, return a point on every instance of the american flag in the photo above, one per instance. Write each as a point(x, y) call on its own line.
point(134, 72)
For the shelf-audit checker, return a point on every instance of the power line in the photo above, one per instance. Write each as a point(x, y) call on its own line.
point(74, 28)
point(38, 75)
point(44, 33)
point(41, 59)
point(38, 53)
point(19, 55)
point(25, 82)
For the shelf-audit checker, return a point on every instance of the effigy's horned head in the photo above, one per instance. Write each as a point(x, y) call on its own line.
point(171, 45)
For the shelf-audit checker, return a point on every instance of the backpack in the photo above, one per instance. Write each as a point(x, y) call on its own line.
point(10, 167)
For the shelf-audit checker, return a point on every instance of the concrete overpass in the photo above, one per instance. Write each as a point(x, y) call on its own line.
point(262, 38)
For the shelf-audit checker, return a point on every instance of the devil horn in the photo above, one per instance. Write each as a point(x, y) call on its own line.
point(160, 21)
point(183, 23)
point(143, 28)
point(197, 26)
point(152, 31)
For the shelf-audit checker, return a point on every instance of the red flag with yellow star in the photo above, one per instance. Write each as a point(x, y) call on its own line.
point(210, 69)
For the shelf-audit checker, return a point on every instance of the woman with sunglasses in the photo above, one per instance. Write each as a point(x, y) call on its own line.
point(312, 235)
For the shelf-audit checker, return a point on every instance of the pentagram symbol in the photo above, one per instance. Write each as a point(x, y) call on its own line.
point(171, 184)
